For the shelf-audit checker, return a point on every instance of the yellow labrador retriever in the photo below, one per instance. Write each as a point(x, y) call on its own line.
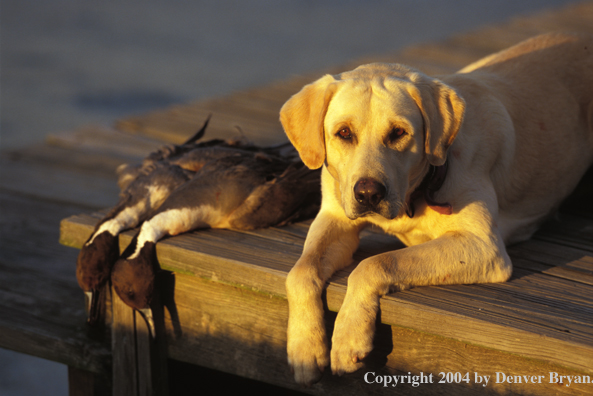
point(455, 167)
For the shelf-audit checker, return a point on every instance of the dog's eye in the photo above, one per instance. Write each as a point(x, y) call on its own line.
point(396, 133)
point(345, 133)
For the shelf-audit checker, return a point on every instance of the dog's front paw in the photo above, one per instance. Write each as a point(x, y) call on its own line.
point(308, 354)
point(353, 338)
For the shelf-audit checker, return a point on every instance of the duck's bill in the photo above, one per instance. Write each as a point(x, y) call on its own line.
point(92, 306)
point(147, 315)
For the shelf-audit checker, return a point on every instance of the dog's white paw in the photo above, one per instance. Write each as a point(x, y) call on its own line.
point(353, 336)
point(308, 354)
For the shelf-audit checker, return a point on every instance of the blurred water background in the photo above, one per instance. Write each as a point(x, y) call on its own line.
point(69, 63)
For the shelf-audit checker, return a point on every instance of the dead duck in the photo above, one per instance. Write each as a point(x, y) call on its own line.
point(241, 191)
point(212, 184)
point(143, 189)
point(145, 194)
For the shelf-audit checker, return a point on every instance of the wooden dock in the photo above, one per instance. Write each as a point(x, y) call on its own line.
point(225, 301)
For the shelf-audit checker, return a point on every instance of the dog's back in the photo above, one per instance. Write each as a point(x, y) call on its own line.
point(546, 87)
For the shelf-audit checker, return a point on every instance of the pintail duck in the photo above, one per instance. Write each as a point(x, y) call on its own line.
point(212, 184)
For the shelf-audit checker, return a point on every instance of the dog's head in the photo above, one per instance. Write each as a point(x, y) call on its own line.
point(376, 129)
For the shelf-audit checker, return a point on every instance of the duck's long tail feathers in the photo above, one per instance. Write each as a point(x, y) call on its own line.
point(200, 134)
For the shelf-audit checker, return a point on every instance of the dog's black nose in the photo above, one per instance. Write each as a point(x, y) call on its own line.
point(369, 192)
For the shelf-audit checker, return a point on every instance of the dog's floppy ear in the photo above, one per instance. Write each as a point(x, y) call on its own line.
point(442, 110)
point(302, 119)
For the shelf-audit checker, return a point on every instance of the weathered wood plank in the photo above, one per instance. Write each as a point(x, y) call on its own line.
point(502, 333)
point(570, 231)
point(518, 308)
point(243, 332)
point(180, 123)
point(70, 182)
point(123, 346)
point(510, 317)
point(260, 125)
point(106, 141)
point(68, 345)
point(58, 159)
point(41, 306)
point(554, 258)
point(228, 328)
point(144, 347)
point(437, 355)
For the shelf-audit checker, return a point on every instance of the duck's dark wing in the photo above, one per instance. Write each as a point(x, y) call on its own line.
point(290, 196)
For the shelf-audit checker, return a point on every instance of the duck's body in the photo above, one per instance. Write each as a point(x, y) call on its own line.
point(213, 184)
point(137, 202)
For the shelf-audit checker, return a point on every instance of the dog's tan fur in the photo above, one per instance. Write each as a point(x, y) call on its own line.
point(516, 130)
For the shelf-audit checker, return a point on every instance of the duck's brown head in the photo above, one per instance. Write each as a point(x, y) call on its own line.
point(133, 277)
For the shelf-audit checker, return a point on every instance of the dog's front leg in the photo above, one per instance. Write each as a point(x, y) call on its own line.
point(454, 258)
point(329, 246)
